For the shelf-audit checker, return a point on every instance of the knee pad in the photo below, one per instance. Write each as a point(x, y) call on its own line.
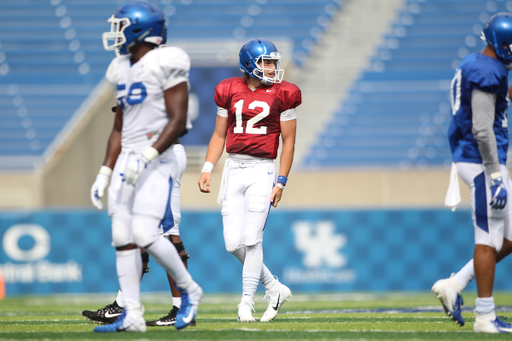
point(145, 260)
point(179, 247)
point(239, 254)
point(232, 244)
point(253, 234)
point(121, 234)
point(145, 230)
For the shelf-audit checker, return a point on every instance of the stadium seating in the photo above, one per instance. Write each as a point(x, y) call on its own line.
point(398, 111)
point(52, 57)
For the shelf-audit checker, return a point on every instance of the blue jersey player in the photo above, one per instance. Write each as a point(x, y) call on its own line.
point(478, 137)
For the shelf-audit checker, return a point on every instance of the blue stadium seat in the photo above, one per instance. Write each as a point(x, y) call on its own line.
point(52, 56)
point(398, 110)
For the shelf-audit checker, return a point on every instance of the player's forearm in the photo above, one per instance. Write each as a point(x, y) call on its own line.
point(170, 135)
point(286, 161)
point(113, 149)
point(215, 149)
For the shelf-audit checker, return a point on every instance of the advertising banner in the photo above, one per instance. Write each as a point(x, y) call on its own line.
point(308, 250)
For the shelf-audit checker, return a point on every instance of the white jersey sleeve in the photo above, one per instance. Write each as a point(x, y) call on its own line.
point(288, 115)
point(222, 112)
point(170, 66)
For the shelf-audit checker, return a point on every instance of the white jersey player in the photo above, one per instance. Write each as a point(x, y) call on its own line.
point(151, 87)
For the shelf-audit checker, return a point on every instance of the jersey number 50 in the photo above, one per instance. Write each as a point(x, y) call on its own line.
point(250, 123)
point(136, 94)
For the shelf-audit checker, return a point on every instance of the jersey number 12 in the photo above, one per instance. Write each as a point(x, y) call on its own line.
point(250, 123)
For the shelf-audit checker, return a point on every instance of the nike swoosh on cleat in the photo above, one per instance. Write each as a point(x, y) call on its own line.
point(159, 323)
point(109, 315)
point(277, 304)
point(190, 317)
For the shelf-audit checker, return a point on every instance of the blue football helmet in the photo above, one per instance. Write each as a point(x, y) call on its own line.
point(133, 23)
point(498, 32)
point(252, 61)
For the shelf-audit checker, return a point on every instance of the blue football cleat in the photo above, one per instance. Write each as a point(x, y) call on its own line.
point(189, 304)
point(447, 292)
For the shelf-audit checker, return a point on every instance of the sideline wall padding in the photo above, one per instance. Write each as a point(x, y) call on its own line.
point(309, 250)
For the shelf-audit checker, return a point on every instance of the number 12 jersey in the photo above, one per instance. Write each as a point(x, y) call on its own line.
point(254, 116)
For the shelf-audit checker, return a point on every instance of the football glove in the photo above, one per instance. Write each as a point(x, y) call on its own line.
point(99, 186)
point(135, 168)
point(498, 193)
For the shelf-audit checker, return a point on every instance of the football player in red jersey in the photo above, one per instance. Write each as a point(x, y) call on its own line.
point(253, 112)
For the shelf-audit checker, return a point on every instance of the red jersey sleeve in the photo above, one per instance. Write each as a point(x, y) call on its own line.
point(223, 93)
point(291, 96)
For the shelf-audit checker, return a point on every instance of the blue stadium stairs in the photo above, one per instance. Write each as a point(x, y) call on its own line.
point(398, 111)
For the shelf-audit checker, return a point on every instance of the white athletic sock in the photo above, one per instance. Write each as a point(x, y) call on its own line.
point(249, 284)
point(176, 301)
point(466, 274)
point(129, 270)
point(166, 255)
point(251, 272)
point(266, 277)
point(484, 305)
point(119, 299)
point(253, 259)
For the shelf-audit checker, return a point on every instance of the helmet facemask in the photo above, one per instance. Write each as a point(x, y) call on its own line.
point(117, 27)
point(133, 23)
point(268, 63)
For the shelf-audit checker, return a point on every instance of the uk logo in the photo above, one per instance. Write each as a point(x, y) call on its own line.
point(319, 244)
point(322, 258)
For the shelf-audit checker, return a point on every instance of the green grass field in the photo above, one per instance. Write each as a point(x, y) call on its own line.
point(304, 317)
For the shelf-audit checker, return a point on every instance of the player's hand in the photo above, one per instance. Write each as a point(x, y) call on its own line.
point(204, 182)
point(498, 193)
point(276, 195)
point(99, 186)
point(135, 168)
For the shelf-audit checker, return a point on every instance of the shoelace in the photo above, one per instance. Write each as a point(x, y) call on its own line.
point(249, 303)
point(502, 324)
point(168, 317)
point(458, 302)
point(270, 298)
point(110, 308)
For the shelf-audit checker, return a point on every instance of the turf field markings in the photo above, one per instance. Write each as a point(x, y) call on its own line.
point(427, 309)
